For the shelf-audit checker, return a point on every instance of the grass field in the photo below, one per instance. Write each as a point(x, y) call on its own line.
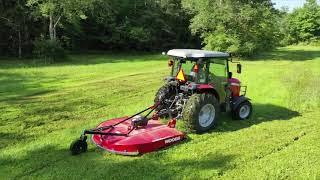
point(45, 107)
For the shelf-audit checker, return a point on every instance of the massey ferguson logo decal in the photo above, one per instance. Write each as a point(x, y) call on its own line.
point(171, 140)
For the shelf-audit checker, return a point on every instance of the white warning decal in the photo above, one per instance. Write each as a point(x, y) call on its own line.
point(171, 140)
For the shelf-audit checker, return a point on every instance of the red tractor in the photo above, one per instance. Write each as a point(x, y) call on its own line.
point(198, 89)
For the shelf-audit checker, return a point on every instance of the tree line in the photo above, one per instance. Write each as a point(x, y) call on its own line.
point(47, 28)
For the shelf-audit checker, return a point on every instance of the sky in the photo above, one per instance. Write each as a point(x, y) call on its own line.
point(291, 4)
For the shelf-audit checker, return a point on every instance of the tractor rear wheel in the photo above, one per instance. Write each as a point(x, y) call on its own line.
point(166, 92)
point(201, 112)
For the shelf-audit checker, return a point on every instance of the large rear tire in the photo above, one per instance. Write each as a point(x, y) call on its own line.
point(164, 93)
point(201, 112)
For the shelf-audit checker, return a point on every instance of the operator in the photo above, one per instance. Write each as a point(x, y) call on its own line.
point(198, 68)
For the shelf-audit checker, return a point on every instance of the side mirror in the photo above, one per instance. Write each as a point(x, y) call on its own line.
point(239, 68)
point(170, 62)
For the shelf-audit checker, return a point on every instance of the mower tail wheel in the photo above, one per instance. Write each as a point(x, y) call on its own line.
point(243, 111)
point(78, 146)
point(201, 112)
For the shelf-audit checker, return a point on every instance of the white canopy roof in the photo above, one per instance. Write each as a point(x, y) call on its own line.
point(196, 53)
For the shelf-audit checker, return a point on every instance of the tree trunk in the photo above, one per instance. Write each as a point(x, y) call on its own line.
point(51, 34)
point(54, 27)
point(20, 48)
point(54, 33)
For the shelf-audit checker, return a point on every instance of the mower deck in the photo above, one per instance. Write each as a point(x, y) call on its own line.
point(139, 141)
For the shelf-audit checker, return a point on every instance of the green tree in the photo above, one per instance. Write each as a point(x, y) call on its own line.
point(55, 10)
point(16, 27)
point(240, 27)
point(93, 24)
point(138, 24)
point(303, 24)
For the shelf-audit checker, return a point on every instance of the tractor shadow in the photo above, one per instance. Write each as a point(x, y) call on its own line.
point(261, 113)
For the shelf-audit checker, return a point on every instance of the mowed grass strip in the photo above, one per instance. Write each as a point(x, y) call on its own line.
point(44, 107)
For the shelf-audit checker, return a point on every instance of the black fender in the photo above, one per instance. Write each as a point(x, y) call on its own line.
point(236, 101)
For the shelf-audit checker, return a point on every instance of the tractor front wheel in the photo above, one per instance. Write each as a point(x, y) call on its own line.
point(201, 112)
point(243, 111)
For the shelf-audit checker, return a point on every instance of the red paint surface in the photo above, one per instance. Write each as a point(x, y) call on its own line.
point(204, 86)
point(234, 86)
point(142, 140)
point(234, 80)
